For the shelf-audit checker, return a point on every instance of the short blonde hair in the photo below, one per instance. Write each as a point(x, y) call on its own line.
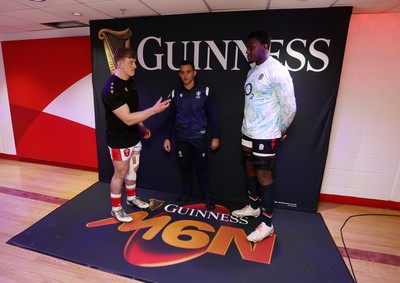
point(123, 52)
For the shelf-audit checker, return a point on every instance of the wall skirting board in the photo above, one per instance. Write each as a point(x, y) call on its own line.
point(387, 204)
point(49, 162)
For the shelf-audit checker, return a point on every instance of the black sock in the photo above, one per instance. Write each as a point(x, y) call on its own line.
point(267, 201)
point(252, 190)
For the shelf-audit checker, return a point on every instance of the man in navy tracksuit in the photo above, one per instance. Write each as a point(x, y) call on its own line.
point(192, 110)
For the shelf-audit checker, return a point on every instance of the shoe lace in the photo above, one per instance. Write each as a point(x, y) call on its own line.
point(121, 213)
point(138, 200)
point(259, 228)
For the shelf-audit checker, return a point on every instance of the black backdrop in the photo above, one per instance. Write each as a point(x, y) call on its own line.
point(311, 42)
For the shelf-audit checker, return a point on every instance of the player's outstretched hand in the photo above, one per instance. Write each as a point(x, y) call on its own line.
point(160, 105)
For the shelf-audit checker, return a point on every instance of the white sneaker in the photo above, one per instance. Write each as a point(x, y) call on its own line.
point(247, 211)
point(121, 215)
point(261, 232)
point(137, 202)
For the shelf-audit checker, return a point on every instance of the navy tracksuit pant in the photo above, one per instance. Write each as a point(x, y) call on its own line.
point(193, 152)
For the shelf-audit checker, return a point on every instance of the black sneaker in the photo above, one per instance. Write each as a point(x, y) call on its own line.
point(210, 204)
point(182, 199)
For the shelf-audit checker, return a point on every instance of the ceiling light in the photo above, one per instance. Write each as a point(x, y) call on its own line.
point(77, 14)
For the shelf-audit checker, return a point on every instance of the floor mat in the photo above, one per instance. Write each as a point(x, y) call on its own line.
point(185, 244)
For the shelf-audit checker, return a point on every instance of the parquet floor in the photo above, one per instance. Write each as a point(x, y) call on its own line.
point(30, 191)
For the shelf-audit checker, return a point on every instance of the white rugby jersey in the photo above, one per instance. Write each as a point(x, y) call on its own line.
point(270, 104)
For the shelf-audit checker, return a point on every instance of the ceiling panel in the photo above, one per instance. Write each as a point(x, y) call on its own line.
point(25, 15)
point(174, 7)
point(34, 16)
point(33, 27)
point(296, 4)
point(231, 5)
point(7, 5)
point(46, 3)
point(122, 8)
point(86, 13)
point(10, 21)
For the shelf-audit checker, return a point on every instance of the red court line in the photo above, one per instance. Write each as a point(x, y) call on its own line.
point(31, 195)
point(371, 256)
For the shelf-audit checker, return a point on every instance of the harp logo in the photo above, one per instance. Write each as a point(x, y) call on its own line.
point(112, 40)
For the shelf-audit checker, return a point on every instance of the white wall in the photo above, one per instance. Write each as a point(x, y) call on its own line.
point(7, 144)
point(364, 154)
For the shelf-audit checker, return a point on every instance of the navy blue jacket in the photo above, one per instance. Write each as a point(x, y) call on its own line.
point(190, 112)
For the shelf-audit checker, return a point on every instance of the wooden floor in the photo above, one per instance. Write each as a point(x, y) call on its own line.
point(30, 191)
